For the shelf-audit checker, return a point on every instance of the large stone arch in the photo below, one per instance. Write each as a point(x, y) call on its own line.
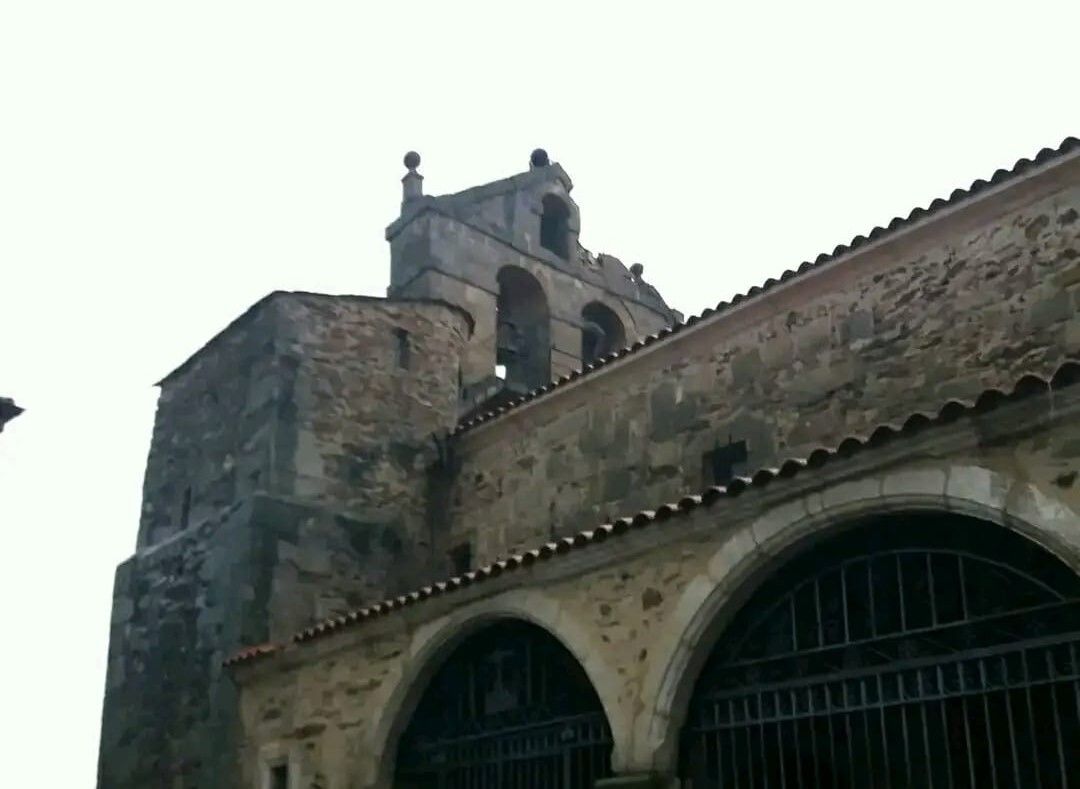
point(433, 641)
point(752, 551)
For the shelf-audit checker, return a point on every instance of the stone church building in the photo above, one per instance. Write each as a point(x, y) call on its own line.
point(519, 524)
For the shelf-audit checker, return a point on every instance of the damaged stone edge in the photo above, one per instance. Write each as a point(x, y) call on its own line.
point(1023, 166)
point(1029, 385)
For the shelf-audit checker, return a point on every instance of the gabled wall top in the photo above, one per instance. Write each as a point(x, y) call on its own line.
point(509, 211)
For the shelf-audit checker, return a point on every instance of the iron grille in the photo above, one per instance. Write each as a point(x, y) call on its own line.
point(908, 653)
point(510, 708)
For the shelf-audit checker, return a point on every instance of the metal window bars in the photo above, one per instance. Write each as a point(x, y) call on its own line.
point(905, 659)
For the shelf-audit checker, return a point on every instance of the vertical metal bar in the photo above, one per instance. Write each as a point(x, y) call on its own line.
point(989, 728)
point(718, 743)
point(844, 603)
point(963, 588)
point(780, 737)
point(1009, 718)
point(902, 708)
point(923, 701)
point(1051, 687)
point(884, 732)
point(847, 732)
point(761, 731)
point(748, 728)
point(1076, 676)
point(866, 728)
point(734, 741)
point(817, 611)
point(832, 734)
point(900, 593)
point(870, 588)
point(813, 735)
point(528, 674)
point(795, 725)
point(945, 725)
point(931, 590)
point(472, 693)
point(967, 726)
point(794, 628)
point(1031, 717)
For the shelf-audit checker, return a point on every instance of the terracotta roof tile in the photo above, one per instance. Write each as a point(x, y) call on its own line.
point(1067, 146)
point(250, 653)
point(1068, 374)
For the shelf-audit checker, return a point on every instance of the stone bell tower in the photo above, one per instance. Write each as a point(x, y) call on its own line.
point(508, 253)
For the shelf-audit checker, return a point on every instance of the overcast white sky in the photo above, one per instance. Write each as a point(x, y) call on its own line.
point(164, 165)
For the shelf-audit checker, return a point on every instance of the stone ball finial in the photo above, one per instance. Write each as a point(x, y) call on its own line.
point(637, 270)
point(412, 160)
point(539, 158)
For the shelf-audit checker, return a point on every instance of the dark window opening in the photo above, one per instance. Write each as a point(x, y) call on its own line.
point(916, 649)
point(555, 226)
point(185, 509)
point(510, 707)
point(720, 463)
point(402, 348)
point(522, 331)
point(461, 558)
point(602, 333)
point(279, 776)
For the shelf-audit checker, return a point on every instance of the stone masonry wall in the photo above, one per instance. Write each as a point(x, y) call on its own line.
point(178, 609)
point(363, 421)
point(969, 301)
point(335, 702)
point(214, 428)
point(304, 431)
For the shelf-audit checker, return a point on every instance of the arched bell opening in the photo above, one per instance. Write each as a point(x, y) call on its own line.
point(523, 331)
point(602, 332)
point(909, 650)
point(555, 226)
point(510, 707)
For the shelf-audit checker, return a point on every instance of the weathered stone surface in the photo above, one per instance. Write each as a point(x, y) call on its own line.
point(287, 482)
point(923, 322)
point(635, 615)
point(300, 468)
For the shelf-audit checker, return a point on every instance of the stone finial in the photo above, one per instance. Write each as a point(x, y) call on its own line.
point(412, 185)
point(538, 158)
point(636, 271)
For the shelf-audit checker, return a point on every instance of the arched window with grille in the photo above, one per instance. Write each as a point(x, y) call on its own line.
point(510, 707)
point(915, 650)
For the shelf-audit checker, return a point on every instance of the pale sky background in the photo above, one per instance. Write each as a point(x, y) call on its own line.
point(164, 165)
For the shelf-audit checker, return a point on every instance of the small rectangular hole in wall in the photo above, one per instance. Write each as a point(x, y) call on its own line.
point(402, 348)
point(719, 464)
point(500, 372)
point(279, 776)
point(461, 558)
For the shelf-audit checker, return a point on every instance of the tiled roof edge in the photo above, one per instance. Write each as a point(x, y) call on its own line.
point(1067, 374)
point(958, 196)
point(250, 653)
